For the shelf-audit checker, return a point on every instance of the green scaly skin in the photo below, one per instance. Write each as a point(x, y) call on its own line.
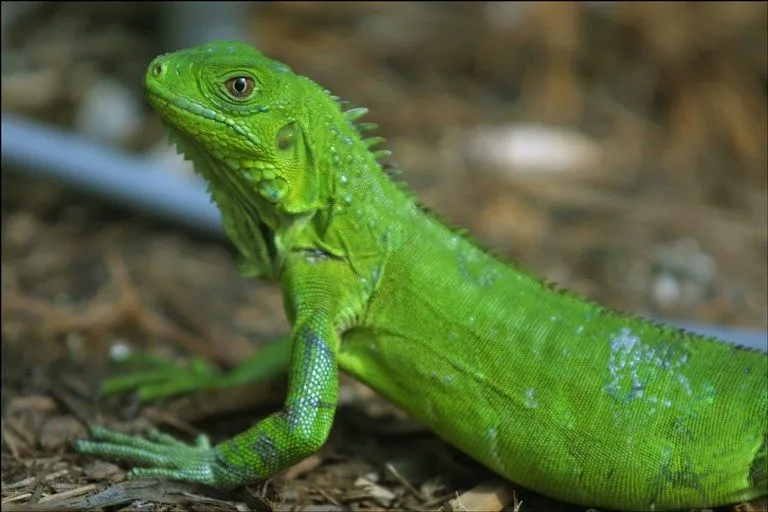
point(547, 389)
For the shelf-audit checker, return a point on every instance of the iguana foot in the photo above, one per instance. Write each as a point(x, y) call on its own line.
point(167, 457)
point(159, 377)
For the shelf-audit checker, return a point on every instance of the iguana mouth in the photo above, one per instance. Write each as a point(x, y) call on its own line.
point(164, 102)
point(178, 112)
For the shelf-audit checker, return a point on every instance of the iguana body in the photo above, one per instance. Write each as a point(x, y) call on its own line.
point(547, 389)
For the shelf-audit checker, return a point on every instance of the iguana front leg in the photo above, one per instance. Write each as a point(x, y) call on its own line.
point(299, 429)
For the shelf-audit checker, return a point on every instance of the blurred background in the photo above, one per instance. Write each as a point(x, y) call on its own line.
point(618, 149)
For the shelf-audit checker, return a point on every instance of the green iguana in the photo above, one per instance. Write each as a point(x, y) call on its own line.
point(547, 389)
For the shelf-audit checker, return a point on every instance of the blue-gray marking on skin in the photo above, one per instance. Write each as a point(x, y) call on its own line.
point(315, 342)
point(485, 276)
point(668, 478)
point(683, 380)
point(310, 403)
point(234, 469)
point(267, 449)
point(290, 416)
point(686, 476)
point(629, 355)
point(682, 429)
point(294, 412)
point(530, 401)
point(181, 102)
point(316, 256)
point(317, 365)
point(636, 391)
point(708, 393)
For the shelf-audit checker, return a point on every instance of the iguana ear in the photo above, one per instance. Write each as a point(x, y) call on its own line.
point(298, 185)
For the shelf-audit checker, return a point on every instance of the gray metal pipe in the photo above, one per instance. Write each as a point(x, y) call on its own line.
point(47, 152)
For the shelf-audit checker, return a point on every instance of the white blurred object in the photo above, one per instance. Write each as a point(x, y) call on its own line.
point(109, 112)
point(120, 350)
point(534, 149)
point(684, 273)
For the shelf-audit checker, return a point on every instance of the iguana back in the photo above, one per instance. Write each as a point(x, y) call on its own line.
point(553, 391)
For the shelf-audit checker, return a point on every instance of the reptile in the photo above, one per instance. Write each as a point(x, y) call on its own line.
point(546, 388)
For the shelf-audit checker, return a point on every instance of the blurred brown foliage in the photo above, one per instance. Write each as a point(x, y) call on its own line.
point(680, 86)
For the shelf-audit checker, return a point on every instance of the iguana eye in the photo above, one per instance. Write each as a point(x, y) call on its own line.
point(240, 87)
point(286, 136)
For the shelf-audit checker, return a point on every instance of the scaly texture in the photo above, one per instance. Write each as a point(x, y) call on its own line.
point(547, 389)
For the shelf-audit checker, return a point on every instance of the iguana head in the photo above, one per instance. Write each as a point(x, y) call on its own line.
point(249, 124)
